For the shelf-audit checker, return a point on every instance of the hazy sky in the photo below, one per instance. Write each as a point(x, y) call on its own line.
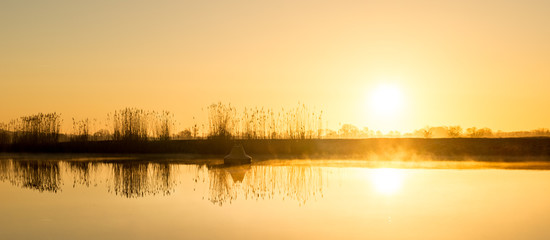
point(470, 63)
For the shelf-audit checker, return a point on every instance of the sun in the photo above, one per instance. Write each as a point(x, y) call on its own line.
point(386, 100)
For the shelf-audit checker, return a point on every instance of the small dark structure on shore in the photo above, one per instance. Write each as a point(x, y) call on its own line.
point(237, 156)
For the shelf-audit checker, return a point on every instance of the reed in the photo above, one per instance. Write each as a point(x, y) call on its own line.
point(222, 121)
point(81, 130)
point(130, 124)
point(164, 125)
point(36, 129)
point(5, 136)
point(261, 123)
point(133, 124)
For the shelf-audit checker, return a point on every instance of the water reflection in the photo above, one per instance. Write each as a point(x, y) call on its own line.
point(357, 202)
point(141, 179)
point(387, 181)
point(134, 179)
point(37, 175)
point(299, 183)
point(81, 170)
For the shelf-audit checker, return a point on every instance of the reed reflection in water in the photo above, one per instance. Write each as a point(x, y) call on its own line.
point(142, 179)
point(134, 179)
point(37, 175)
point(298, 183)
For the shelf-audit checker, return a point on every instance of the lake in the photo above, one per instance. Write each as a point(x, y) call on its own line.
point(174, 197)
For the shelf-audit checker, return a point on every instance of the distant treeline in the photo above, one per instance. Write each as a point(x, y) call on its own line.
point(225, 122)
point(351, 131)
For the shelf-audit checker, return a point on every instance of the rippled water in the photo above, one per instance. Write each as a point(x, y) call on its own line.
point(166, 197)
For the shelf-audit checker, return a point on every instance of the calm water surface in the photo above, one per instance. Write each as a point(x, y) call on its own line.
point(78, 197)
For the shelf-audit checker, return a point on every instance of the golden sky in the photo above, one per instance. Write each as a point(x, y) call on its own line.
point(469, 63)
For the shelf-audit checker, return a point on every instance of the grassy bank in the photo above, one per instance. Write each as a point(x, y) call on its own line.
point(383, 148)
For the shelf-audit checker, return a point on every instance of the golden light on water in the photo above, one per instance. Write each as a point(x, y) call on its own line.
point(387, 181)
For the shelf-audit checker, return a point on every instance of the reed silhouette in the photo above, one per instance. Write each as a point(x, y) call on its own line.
point(261, 123)
point(164, 125)
point(5, 137)
point(130, 124)
point(36, 129)
point(138, 125)
point(81, 130)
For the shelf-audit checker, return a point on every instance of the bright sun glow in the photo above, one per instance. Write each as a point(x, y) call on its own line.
point(386, 100)
point(387, 181)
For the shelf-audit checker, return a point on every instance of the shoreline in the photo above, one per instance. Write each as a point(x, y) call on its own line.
point(494, 149)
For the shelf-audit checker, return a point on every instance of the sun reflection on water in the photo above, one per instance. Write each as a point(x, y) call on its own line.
point(387, 181)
